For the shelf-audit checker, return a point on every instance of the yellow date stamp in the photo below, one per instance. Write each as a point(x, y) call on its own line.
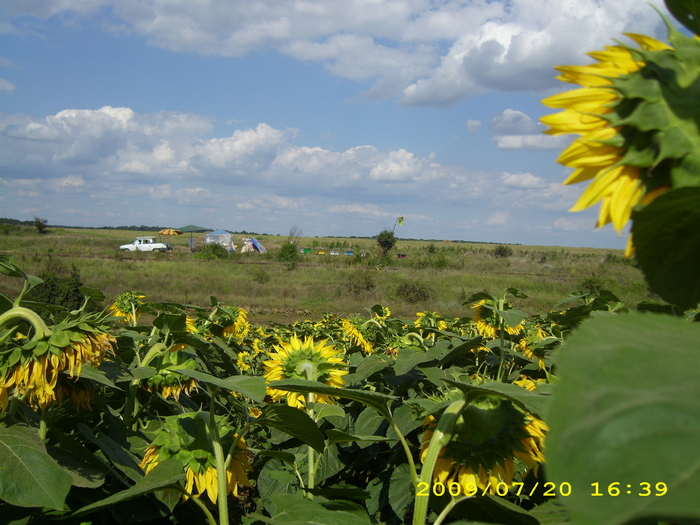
point(548, 489)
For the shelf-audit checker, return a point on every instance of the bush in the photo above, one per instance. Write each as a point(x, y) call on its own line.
point(359, 282)
point(288, 253)
point(212, 251)
point(260, 275)
point(61, 287)
point(413, 292)
point(40, 224)
point(386, 241)
point(502, 251)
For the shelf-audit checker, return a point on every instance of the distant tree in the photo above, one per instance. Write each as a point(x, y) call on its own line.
point(386, 238)
point(40, 224)
point(386, 241)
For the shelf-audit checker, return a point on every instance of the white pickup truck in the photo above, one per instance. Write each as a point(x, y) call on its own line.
point(146, 244)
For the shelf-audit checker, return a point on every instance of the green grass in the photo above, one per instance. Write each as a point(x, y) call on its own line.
point(342, 285)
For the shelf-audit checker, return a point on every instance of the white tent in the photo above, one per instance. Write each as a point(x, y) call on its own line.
point(221, 237)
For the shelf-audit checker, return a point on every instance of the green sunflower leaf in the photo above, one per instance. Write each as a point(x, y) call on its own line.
point(164, 475)
point(29, 476)
point(667, 240)
point(687, 12)
point(380, 402)
point(253, 387)
point(615, 427)
point(534, 402)
point(294, 422)
point(294, 509)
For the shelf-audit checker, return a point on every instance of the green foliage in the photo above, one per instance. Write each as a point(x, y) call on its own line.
point(40, 224)
point(667, 239)
point(502, 251)
point(288, 253)
point(259, 275)
point(60, 287)
point(359, 282)
point(212, 251)
point(635, 422)
point(413, 292)
point(386, 241)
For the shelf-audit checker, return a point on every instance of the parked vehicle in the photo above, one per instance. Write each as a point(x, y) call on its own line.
point(146, 244)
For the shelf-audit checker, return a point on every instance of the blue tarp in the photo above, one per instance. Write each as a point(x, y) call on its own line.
point(257, 245)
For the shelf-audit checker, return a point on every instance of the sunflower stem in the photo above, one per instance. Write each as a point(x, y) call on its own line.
point(308, 369)
point(441, 436)
point(20, 312)
point(448, 508)
point(222, 499)
point(43, 427)
point(409, 454)
point(131, 403)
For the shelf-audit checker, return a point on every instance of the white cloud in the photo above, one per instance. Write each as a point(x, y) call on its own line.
point(473, 125)
point(522, 180)
point(360, 209)
point(513, 122)
point(6, 85)
point(531, 141)
point(498, 218)
point(426, 53)
point(570, 224)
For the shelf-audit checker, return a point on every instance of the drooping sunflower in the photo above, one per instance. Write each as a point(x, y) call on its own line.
point(185, 437)
point(356, 337)
point(297, 359)
point(38, 364)
point(636, 113)
point(487, 321)
point(167, 381)
point(489, 446)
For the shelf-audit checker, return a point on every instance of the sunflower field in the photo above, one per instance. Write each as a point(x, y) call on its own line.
point(586, 414)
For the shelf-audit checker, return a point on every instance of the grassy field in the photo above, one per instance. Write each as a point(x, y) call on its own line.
point(434, 276)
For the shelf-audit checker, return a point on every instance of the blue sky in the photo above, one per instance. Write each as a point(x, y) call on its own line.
point(335, 117)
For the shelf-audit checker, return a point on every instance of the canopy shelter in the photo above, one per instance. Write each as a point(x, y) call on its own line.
point(222, 237)
point(191, 228)
point(170, 231)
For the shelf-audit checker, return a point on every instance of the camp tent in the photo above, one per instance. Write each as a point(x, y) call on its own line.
point(221, 237)
point(251, 244)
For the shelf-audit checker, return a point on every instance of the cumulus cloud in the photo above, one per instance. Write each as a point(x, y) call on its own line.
point(473, 125)
point(360, 209)
point(6, 85)
point(425, 53)
point(516, 130)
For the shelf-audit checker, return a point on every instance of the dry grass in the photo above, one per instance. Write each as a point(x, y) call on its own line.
point(450, 272)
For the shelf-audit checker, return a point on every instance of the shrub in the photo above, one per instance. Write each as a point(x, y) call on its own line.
point(61, 287)
point(413, 292)
point(386, 241)
point(212, 251)
point(40, 224)
point(502, 251)
point(288, 253)
point(260, 275)
point(359, 282)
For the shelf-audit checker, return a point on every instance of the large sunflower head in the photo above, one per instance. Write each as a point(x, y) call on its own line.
point(307, 359)
point(491, 443)
point(186, 438)
point(636, 114)
point(47, 369)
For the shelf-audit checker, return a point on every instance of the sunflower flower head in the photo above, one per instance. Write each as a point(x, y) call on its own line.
point(636, 115)
point(307, 359)
point(488, 322)
point(490, 444)
point(356, 337)
point(46, 370)
point(127, 307)
point(167, 381)
point(185, 437)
